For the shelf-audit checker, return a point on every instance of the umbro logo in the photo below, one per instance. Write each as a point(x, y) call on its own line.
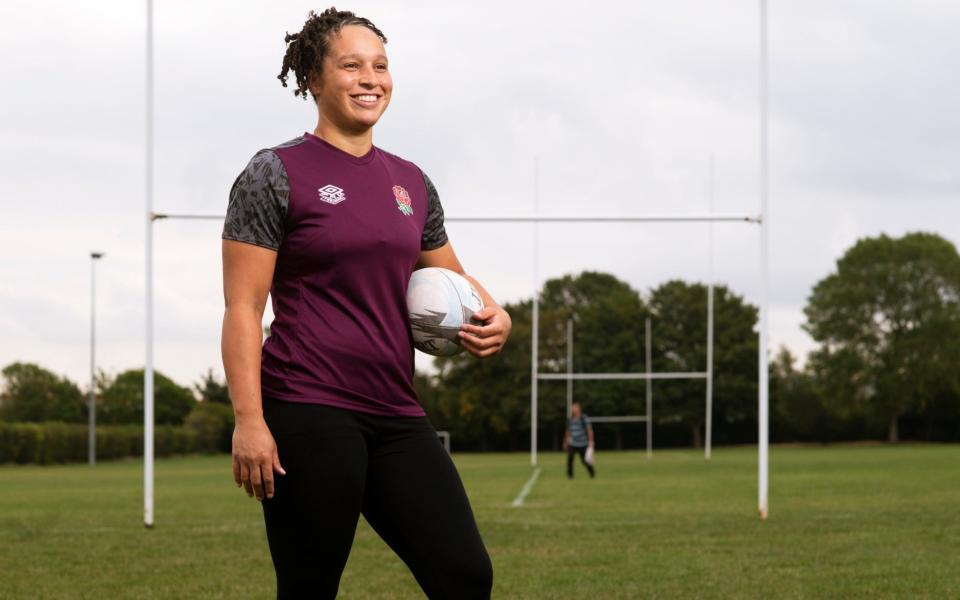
point(331, 194)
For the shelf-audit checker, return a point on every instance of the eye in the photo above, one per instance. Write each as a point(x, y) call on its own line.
point(381, 67)
point(350, 65)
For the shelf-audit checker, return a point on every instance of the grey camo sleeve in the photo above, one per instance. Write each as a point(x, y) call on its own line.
point(434, 233)
point(258, 203)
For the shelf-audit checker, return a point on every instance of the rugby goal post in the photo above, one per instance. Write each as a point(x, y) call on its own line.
point(762, 220)
point(648, 376)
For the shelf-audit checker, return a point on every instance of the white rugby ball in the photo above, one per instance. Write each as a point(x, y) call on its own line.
point(439, 301)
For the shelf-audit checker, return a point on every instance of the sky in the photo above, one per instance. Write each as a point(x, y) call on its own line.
point(559, 108)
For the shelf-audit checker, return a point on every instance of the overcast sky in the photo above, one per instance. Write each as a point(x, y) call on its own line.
point(621, 103)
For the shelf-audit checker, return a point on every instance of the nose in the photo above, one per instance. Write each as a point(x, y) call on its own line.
point(368, 77)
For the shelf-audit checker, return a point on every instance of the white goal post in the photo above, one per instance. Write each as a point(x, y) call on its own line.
point(762, 220)
point(648, 376)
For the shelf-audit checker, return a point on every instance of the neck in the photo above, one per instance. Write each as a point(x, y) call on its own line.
point(357, 143)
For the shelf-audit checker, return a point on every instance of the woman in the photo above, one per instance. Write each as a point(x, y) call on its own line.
point(332, 227)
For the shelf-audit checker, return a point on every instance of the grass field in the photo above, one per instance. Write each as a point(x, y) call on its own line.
point(846, 522)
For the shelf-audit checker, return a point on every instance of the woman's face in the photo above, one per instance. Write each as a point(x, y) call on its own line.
point(354, 87)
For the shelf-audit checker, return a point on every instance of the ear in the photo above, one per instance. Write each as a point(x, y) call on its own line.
point(314, 84)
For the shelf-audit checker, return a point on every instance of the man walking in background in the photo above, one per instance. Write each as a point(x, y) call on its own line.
point(577, 439)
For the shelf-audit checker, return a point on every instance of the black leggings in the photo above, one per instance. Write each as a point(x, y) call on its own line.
point(582, 451)
point(395, 472)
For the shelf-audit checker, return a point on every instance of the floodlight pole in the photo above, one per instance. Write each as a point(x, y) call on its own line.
point(535, 324)
point(148, 370)
point(92, 411)
point(649, 369)
point(763, 414)
point(708, 441)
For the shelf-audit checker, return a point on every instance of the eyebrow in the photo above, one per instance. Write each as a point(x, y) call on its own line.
point(377, 57)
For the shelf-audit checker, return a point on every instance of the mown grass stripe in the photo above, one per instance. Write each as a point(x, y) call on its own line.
point(518, 501)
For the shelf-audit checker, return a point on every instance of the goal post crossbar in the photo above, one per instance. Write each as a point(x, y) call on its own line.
point(155, 216)
point(619, 376)
point(623, 419)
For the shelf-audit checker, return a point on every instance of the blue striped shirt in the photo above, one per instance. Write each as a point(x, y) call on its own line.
point(578, 431)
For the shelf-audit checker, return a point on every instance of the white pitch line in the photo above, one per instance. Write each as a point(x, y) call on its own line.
point(518, 501)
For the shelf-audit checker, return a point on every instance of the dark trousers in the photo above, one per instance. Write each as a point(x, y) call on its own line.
point(582, 451)
point(393, 470)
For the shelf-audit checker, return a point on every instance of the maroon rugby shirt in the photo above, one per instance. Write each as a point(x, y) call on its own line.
point(348, 231)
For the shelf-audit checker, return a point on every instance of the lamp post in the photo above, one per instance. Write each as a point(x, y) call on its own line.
point(92, 413)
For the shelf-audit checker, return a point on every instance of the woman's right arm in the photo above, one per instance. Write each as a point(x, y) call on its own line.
point(247, 275)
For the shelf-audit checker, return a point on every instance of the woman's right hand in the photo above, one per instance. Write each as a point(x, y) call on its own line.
point(255, 457)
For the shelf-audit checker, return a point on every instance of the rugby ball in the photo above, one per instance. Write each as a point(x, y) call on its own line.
point(439, 301)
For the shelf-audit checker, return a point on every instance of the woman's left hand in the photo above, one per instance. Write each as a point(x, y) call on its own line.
point(489, 338)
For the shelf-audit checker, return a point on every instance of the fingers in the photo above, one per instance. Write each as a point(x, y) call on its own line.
point(485, 313)
point(482, 338)
point(255, 460)
point(266, 471)
point(257, 478)
point(256, 481)
point(471, 342)
point(236, 472)
point(245, 478)
point(481, 347)
point(494, 323)
point(486, 330)
point(276, 464)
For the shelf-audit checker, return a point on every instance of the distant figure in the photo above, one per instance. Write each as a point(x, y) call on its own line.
point(578, 437)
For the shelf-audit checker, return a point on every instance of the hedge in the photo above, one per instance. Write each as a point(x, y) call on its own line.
point(55, 442)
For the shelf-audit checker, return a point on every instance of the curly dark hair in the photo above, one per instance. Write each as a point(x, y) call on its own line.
point(306, 49)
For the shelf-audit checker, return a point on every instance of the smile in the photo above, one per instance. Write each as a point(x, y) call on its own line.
point(366, 99)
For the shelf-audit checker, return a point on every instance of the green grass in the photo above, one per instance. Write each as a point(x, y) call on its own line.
point(847, 522)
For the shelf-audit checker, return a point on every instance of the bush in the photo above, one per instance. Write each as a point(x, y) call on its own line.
point(213, 425)
point(56, 442)
point(20, 441)
point(118, 441)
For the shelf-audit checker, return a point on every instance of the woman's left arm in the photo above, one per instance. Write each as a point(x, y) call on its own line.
point(483, 340)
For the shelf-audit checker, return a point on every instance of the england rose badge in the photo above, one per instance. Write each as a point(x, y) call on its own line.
point(403, 200)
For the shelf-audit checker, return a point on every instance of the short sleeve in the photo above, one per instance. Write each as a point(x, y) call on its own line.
point(434, 233)
point(259, 198)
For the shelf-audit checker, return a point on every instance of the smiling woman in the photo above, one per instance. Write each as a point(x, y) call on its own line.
point(332, 227)
point(357, 78)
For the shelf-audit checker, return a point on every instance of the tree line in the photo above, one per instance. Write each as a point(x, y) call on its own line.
point(887, 365)
point(886, 321)
point(33, 394)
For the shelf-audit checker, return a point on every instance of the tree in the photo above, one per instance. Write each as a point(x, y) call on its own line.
point(212, 389)
point(797, 411)
point(32, 393)
point(680, 343)
point(888, 324)
point(609, 321)
point(487, 402)
point(122, 399)
point(489, 399)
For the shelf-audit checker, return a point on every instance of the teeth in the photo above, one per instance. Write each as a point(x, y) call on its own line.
point(367, 98)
